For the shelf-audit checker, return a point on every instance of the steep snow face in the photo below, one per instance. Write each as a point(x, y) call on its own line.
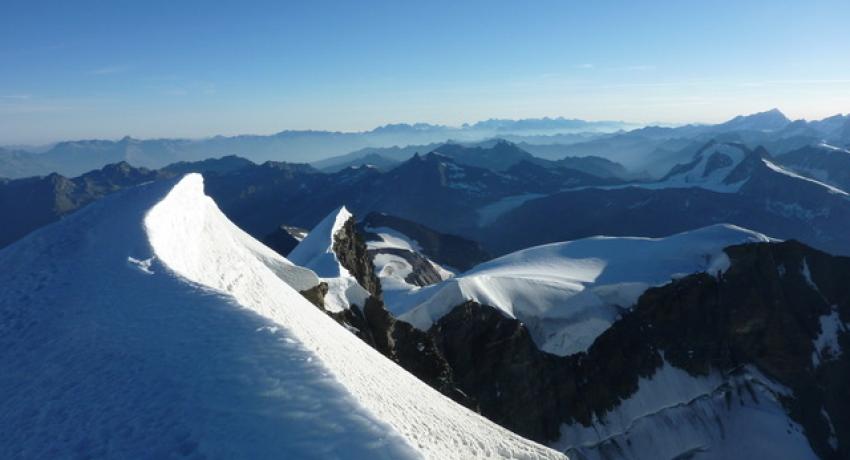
point(147, 326)
point(674, 415)
point(569, 293)
point(316, 252)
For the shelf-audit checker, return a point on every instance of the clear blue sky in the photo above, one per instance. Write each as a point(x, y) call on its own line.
point(79, 69)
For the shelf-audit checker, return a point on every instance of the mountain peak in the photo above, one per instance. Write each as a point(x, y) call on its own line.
point(770, 120)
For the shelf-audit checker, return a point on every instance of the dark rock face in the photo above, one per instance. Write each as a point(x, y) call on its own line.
point(496, 362)
point(316, 295)
point(765, 311)
point(350, 250)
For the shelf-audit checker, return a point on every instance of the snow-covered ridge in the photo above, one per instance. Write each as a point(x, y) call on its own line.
point(148, 326)
point(431, 423)
point(569, 293)
point(173, 228)
point(776, 168)
point(833, 148)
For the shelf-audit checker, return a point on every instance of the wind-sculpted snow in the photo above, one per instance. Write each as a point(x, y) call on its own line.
point(147, 326)
point(569, 293)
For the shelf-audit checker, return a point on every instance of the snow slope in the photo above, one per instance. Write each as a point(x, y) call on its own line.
point(148, 326)
point(316, 252)
point(569, 293)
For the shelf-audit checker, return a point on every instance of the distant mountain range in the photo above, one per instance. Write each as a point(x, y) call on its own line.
point(76, 157)
point(498, 194)
point(646, 151)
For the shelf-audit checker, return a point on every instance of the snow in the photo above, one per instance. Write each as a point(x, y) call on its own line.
point(699, 176)
point(212, 353)
point(316, 252)
point(826, 343)
point(569, 293)
point(392, 269)
point(176, 236)
point(392, 239)
point(833, 148)
point(676, 415)
point(807, 275)
point(783, 171)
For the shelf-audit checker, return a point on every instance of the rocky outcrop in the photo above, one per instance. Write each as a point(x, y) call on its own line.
point(316, 294)
point(770, 310)
point(350, 250)
point(411, 348)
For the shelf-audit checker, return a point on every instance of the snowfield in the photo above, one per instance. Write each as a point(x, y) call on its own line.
point(148, 326)
point(569, 293)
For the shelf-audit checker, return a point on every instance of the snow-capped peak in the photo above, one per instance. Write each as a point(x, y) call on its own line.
point(316, 252)
point(712, 168)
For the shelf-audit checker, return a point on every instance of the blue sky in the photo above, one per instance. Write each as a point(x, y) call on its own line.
point(84, 69)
